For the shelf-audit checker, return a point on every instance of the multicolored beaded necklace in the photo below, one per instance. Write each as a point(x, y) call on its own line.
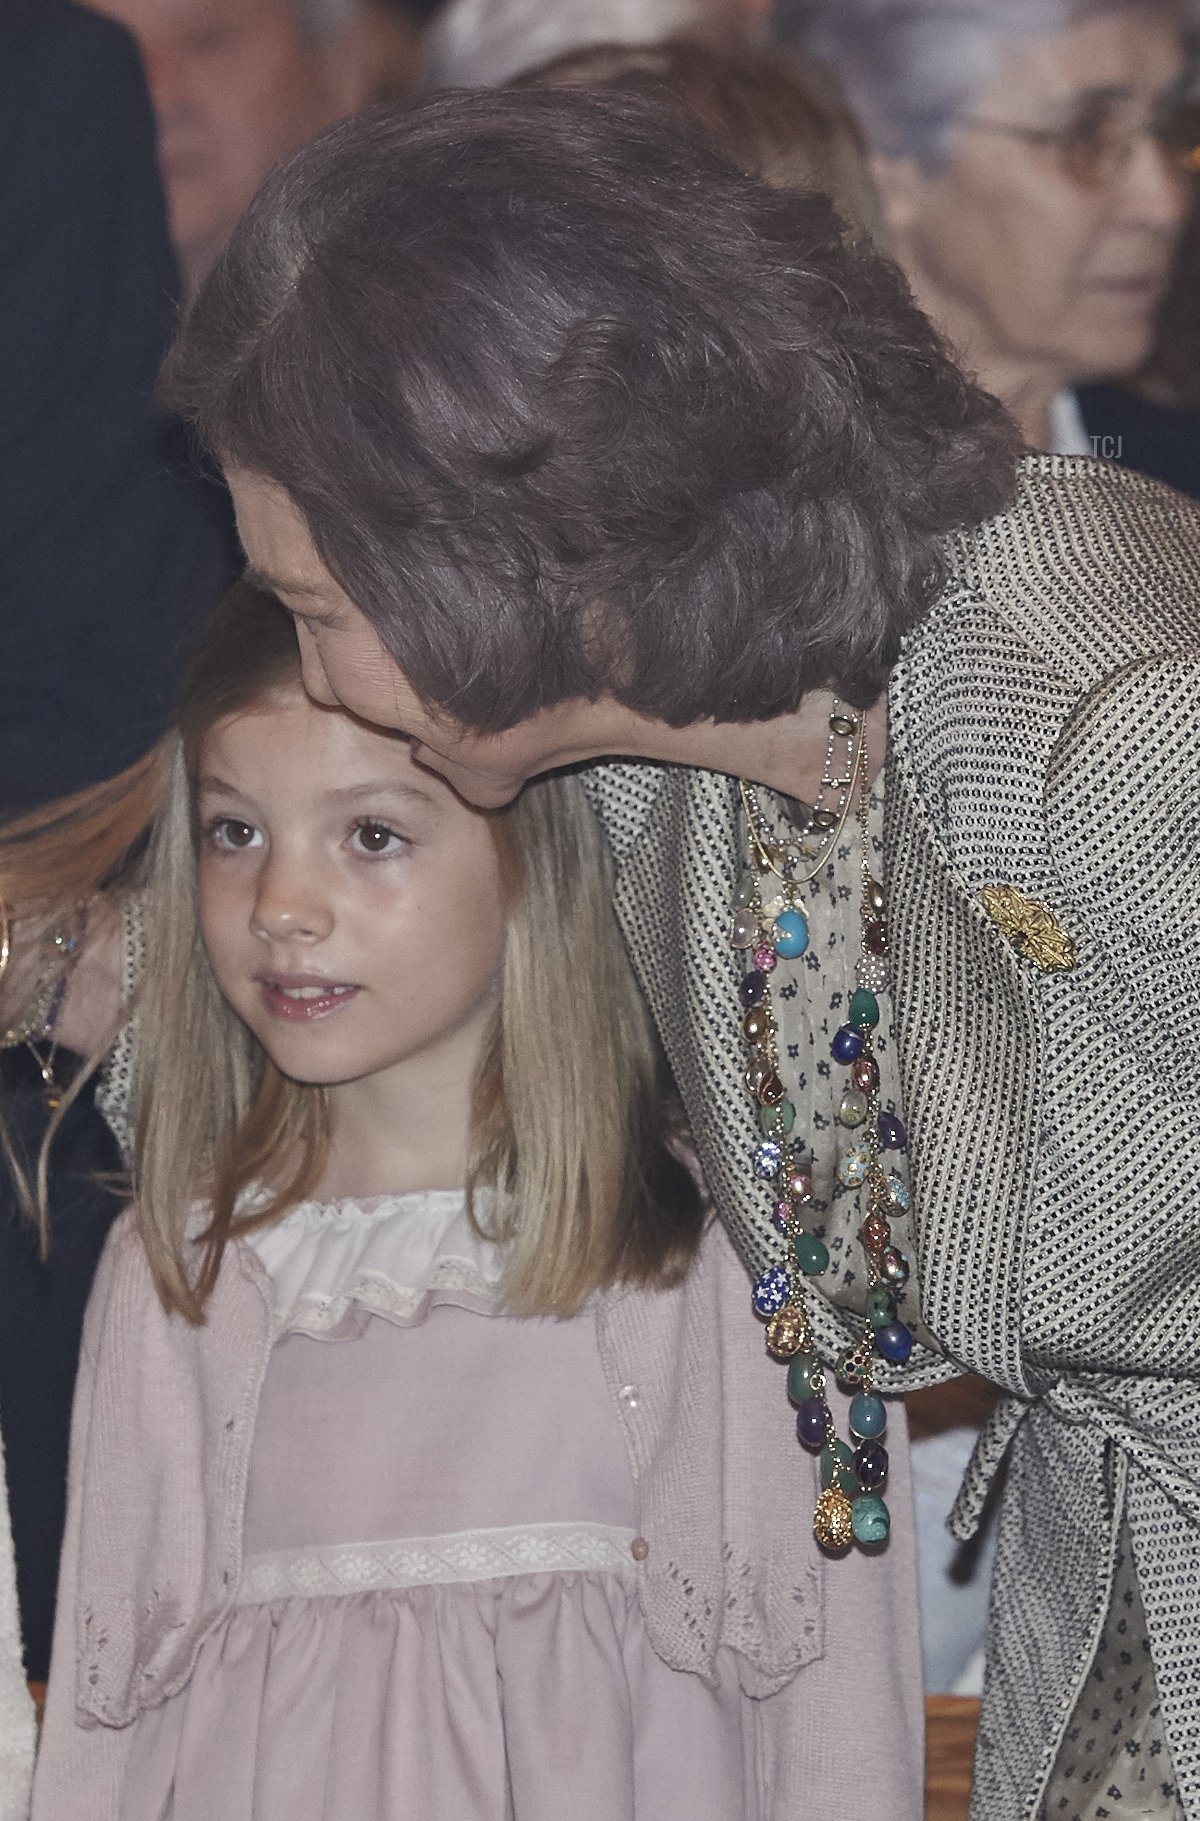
point(770, 921)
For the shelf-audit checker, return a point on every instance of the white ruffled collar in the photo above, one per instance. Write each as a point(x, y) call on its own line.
point(390, 1255)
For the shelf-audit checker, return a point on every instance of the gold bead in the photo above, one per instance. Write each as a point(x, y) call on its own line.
point(833, 1520)
point(787, 1334)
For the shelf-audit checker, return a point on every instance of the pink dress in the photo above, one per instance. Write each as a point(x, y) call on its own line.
point(438, 1614)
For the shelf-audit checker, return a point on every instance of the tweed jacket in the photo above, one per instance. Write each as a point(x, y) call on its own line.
point(1044, 732)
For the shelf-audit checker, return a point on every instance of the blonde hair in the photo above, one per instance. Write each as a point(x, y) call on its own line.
point(571, 1129)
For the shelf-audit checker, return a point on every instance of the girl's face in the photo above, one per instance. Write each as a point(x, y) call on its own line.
point(351, 904)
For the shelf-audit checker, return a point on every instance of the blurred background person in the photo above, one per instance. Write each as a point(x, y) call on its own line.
point(111, 548)
point(112, 545)
point(759, 104)
point(398, 29)
point(1035, 161)
point(1172, 375)
point(236, 85)
point(482, 43)
point(1152, 421)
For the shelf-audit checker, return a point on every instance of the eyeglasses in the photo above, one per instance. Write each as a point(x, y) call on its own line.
point(1095, 148)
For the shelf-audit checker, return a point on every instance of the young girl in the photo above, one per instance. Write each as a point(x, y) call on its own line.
point(422, 1462)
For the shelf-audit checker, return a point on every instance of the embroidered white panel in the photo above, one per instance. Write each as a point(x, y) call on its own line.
point(464, 1555)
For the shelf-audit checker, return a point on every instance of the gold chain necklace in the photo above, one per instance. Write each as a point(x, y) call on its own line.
point(851, 1507)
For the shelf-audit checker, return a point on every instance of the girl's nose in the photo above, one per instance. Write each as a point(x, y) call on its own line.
point(289, 908)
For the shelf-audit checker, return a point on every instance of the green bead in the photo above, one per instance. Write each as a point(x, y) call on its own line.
point(812, 1254)
point(868, 1417)
point(881, 1309)
point(777, 1119)
point(870, 1520)
point(837, 1468)
point(864, 1010)
point(804, 1370)
point(743, 897)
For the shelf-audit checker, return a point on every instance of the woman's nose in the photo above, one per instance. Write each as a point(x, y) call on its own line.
point(312, 671)
point(1156, 191)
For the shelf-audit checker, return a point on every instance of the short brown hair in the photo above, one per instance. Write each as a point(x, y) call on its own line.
point(762, 108)
point(574, 407)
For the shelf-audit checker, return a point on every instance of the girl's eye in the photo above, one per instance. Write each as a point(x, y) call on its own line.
point(231, 835)
point(376, 839)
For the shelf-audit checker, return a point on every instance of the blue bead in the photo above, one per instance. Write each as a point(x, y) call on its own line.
point(868, 1415)
point(767, 1158)
point(753, 986)
point(771, 1291)
point(894, 1342)
point(869, 1517)
point(791, 934)
point(870, 1463)
point(847, 1044)
point(812, 1424)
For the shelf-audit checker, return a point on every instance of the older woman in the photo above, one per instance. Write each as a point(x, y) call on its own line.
point(561, 438)
point(1033, 159)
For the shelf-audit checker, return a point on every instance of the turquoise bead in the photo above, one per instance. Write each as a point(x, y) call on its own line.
point(881, 1308)
point(837, 1467)
point(864, 1009)
point(791, 934)
point(802, 1369)
point(812, 1254)
point(869, 1517)
point(868, 1415)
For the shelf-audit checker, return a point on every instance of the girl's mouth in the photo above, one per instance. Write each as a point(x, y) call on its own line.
point(300, 998)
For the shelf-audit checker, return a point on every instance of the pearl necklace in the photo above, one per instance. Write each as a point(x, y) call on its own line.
point(850, 1507)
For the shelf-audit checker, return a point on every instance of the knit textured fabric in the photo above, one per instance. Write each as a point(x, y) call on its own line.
point(1044, 733)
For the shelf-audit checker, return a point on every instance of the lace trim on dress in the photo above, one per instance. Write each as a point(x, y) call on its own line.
point(433, 1561)
point(391, 1255)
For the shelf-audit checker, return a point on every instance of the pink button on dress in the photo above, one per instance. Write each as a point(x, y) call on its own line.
point(438, 1614)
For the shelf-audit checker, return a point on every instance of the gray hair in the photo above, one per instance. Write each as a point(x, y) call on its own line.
point(483, 43)
point(911, 68)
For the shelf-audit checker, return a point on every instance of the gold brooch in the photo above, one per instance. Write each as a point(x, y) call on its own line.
point(1030, 926)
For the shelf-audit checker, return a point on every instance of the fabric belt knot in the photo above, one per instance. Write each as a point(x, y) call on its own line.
point(1147, 1420)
